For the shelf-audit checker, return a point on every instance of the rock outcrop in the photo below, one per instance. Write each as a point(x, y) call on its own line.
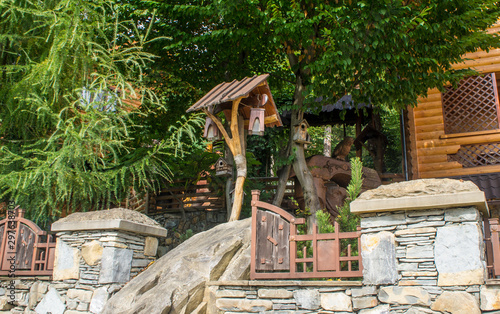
point(176, 282)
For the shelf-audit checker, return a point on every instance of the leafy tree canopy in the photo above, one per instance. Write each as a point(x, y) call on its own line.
point(385, 52)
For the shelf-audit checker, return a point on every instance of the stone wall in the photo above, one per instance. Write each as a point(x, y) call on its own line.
point(347, 297)
point(178, 226)
point(422, 248)
point(97, 253)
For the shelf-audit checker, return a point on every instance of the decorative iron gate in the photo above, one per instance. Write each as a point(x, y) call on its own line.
point(25, 249)
point(275, 242)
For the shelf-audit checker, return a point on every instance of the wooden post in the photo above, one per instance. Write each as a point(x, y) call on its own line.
point(236, 144)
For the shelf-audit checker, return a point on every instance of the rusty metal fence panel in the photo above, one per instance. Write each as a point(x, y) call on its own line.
point(275, 240)
point(25, 249)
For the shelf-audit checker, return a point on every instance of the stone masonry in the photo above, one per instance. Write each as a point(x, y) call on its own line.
point(423, 251)
point(180, 225)
point(97, 253)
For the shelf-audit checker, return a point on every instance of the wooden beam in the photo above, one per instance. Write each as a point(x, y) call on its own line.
point(439, 166)
point(469, 134)
point(267, 120)
point(430, 112)
point(429, 120)
point(438, 150)
point(423, 136)
point(424, 106)
point(460, 172)
point(478, 139)
point(430, 128)
point(479, 63)
point(432, 159)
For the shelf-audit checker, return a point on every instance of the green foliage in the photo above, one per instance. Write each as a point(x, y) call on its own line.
point(70, 137)
point(188, 234)
point(324, 222)
point(347, 220)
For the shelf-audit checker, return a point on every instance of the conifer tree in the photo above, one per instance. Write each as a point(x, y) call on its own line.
point(74, 108)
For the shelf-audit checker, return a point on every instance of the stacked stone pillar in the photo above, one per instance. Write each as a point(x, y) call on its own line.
point(423, 245)
point(97, 253)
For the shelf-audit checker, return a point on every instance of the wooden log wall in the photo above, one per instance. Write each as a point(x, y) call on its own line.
point(429, 146)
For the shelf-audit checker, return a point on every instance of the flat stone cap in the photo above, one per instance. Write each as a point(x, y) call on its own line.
point(420, 194)
point(115, 219)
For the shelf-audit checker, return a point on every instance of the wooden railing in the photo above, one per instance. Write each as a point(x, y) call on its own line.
point(275, 242)
point(187, 197)
point(200, 196)
point(270, 184)
point(25, 249)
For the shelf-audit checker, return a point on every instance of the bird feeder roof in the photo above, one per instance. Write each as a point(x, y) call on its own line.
point(220, 98)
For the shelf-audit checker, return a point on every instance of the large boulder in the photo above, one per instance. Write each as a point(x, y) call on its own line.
point(176, 282)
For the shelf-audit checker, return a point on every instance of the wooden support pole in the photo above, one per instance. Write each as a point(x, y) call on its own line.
point(236, 144)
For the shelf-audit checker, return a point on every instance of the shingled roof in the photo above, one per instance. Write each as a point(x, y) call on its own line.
point(227, 92)
point(221, 96)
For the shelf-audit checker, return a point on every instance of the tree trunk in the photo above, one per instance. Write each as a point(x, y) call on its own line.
point(304, 175)
point(237, 145)
point(302, 172)
point(229, 183)
point(241, 172)
point(327, 142)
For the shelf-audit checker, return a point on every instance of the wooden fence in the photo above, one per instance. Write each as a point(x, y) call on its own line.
point(276, 241)
point(492, 241)
point(186, 196)
point(25, 249)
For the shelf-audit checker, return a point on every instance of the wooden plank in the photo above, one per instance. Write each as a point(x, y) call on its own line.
point(429, 121)
point(429, 106)
point(483, 54)
point(439, 166)
point(478, 63)
point(432, 95)
point(267, 120)
point(281, 253)
point(487, 68)
point(469, 134)
point(438, 150)
point(478, 139)
point(433, 159)
point(434, 135)
point(430, 112)
point(263, 256)
point(460, 172)
point(430, 128)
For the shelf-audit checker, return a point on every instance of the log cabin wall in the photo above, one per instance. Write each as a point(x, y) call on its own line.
point(460, 151)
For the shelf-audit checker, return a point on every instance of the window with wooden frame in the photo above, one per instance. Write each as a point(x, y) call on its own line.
point(473, 106)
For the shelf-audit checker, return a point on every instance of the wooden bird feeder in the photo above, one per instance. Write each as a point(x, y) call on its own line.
point(223, 168)
point(256, 124)
point(211, 132)
point(246, 104)
point(301, 136)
